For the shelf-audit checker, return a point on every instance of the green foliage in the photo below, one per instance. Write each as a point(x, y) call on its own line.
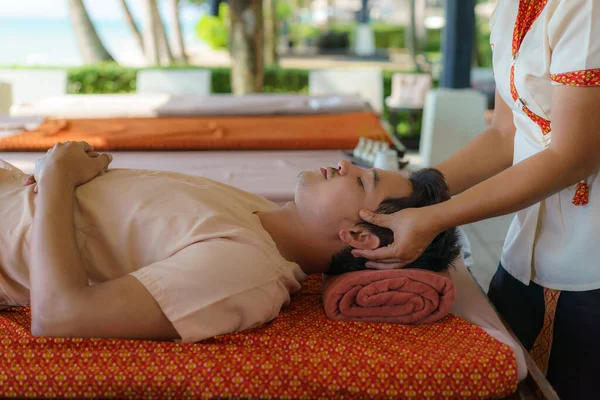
point(299, 32)
point(284, 10)
point(112, 78)
point(387, 36)
point(214, 30)
point(483, 42)
point(101, 78)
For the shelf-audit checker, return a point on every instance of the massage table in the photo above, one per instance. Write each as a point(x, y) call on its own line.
point(300, 354)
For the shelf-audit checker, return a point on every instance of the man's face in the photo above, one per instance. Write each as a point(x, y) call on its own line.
point(333, 197)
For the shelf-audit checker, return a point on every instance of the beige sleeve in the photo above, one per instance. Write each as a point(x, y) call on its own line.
point(215, 287)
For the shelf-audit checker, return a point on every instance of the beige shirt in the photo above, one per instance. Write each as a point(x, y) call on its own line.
point(195, 244)
point(554, 242)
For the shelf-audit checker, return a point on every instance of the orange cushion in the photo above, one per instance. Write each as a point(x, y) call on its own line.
point(327, 131)
point(300, 354)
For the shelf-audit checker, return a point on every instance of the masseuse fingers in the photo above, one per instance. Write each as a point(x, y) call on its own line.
point(385, 265)
point(383, 253)
point(383, 220)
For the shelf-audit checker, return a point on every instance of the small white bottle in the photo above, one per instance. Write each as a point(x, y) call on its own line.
point(363, 155)
point(359, 147)
point(374, 150)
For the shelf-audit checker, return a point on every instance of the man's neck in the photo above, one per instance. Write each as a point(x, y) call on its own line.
point(297, 241)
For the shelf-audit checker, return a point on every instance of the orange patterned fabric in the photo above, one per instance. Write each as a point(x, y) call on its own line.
point(581, 196)
point(540, 352)
point(544, 124)
point(587, 77)
point(325, 131)
point(529, 11)
point(301, 354)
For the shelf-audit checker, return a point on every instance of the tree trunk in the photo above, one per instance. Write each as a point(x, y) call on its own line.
point(412, 40)
point(246, 44)
point(176, 36)
point(150, 34)
point(270, 29)
point(164, 50)
point(91, 48)
point(131, 24)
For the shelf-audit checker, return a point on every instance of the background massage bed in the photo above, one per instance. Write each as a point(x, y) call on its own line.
point(269, 173)
point(265, 162)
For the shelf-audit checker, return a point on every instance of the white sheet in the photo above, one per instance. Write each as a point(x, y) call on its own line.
point(472, 305)
point(155, 105)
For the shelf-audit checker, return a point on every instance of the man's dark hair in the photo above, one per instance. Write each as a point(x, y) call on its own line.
point(429, 187)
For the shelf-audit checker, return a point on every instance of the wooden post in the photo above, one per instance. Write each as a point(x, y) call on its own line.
point(458, 44)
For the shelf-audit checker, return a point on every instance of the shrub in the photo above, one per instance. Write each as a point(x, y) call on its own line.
point(213, 30)
point(101, 78)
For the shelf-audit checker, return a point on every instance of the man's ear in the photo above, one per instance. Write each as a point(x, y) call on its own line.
point(360, 238)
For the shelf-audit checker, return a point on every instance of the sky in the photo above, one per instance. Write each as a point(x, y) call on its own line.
point(99, 10)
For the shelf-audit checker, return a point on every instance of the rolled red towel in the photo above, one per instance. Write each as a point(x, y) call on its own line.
point(400, 296)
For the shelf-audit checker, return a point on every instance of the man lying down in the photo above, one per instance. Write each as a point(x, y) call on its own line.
point(162, 255)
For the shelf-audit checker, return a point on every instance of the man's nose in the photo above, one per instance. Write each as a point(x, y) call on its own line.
point(345, 167)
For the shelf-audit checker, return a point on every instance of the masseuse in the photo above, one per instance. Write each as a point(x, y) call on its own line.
point(539, 158)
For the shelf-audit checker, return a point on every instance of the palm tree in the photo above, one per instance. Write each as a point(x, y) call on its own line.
point(176, 36)
point(166, 57)
point(131, 24)
point(90, 46)
point(246, 41)
point(150, 33)
point(270, 32)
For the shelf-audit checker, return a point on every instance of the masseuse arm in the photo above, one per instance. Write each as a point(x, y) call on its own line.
point(573, 155)
point(485, 156)
point(62, 303)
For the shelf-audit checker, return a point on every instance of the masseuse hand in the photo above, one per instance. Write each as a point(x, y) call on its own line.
point(75, 163)
point(414, 229)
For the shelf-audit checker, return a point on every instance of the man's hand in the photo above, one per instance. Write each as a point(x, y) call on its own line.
point(75, 163)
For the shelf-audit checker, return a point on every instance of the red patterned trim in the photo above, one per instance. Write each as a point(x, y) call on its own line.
point(513, 88)
point(540, 352)
point(584, 77)
point(529, 11)
point(581, 196)
point(544, 124)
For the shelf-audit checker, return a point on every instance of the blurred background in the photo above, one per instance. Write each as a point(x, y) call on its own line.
point(103, 43)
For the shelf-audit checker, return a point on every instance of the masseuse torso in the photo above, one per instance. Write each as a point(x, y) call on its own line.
point(553, 242)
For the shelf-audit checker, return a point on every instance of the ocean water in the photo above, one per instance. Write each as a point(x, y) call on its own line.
point(52, 42)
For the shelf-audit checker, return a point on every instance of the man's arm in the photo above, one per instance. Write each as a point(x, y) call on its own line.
point(485, 156)
point(62, 302)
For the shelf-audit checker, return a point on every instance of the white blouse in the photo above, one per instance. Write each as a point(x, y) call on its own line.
point(537, 44)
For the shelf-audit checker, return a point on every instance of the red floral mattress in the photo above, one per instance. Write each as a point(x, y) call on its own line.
point(301, 354)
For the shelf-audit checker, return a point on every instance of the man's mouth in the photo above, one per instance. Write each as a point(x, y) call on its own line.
point(324, 172)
